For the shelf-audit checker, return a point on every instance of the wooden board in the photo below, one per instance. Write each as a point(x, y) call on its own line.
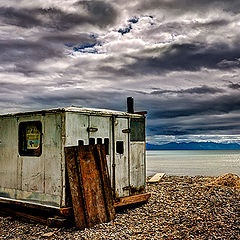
point(132, 200)
point(156, 178)
point(90, 185)
point(101, 160)
point(29, 214)
point(75, 186)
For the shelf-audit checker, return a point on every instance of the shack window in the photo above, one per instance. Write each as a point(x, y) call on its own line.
point(137, 129)
point(30, 138)
point(106, 143)
point(119, 147)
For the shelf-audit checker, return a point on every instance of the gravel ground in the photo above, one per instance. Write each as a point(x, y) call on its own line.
point(180, 208)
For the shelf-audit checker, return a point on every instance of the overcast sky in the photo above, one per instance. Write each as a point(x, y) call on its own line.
point(179, 59)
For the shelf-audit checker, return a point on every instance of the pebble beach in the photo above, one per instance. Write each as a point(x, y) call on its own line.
point(181, 207)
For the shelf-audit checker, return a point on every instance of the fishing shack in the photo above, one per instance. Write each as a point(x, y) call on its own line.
point(32, 160)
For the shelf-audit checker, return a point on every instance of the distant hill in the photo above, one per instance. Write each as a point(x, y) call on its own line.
point(194, 146)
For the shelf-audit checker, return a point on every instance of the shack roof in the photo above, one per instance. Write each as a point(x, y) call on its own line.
point(94, 111)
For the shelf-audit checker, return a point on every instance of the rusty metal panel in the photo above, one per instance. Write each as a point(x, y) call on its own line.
point(8, 153)
point(137, 167)
point(121, 159)
point(76, 128)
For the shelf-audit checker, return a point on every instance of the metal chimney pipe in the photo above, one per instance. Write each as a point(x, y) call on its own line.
point(130, 105)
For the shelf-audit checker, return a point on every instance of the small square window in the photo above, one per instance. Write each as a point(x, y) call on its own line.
point(99, 141)
point(30, 138)
point(137, 129)
point(119, 146)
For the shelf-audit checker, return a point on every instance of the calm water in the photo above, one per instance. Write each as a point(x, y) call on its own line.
point(192, 163)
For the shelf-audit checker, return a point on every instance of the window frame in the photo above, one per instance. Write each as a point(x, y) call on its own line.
point(138, 130)
point(22, 139)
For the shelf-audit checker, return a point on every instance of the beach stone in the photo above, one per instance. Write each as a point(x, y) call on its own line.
point(181, 207)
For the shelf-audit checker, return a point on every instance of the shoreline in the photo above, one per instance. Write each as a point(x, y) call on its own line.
point(181, 207)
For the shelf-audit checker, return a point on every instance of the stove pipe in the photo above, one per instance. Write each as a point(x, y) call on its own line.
point(130, 105)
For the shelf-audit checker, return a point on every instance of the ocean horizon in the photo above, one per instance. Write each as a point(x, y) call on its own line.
point(193, 162)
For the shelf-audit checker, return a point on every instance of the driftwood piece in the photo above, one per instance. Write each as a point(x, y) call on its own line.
point(135, 199)
point(156, 178)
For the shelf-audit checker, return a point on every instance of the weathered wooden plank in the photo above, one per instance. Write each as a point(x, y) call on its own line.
point(132, 200)
point(5, 211)
point(75, 187)
point(100, 158)
point(156, 178)
point(92, 186)
point(35, 216)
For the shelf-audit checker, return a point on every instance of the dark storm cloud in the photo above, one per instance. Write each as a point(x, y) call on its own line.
point(178, 27)
point(178, 128)
point(25, 54)
point(205, 124)
point(199, 106)
point(79, 97)
point(101, 13)
point(19, 50)
point(235, 86)
point(98, 13)
point(203, 90)
point(186, 57)
point(70, 39)
point(191, 5)
point(18, 17)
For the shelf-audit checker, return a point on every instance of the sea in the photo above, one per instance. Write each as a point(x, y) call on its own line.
point(193, 162)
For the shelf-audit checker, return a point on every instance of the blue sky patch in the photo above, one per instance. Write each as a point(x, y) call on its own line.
point(133, 20)
point(125, 30)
